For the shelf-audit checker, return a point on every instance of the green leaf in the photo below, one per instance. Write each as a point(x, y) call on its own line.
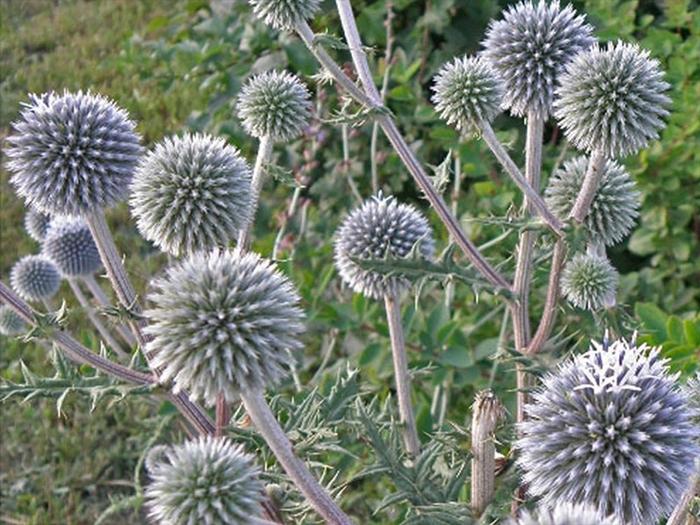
point(653, 320)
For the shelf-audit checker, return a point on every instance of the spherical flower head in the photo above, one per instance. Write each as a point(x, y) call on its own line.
point(69, 244)
point(11, 324)
point(34, 277)
point(191, 193)
point(529, 48)
point(610, 428)
point(72, 154)
point(589, 281)
point(285, 14)
point(466, 91)
point(615, 206)
point(209, 481)
point(223, 321)
point(274, 104)
point(36, 223)
point(612, 100)
point(381, 227)
point(565, 514)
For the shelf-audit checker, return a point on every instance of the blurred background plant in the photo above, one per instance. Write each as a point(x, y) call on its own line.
point(179, 65)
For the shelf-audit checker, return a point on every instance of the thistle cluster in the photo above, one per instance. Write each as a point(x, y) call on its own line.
point(36, 223)
point(565, 514)
point(11, 324)
point(35, 278)
point(69, 244)
point(285, 14)
point(589, 281)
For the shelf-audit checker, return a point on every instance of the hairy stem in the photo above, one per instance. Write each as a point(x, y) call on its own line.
point(223, 415)
point(680, 513)
point(103, 301)
point(585, 196)
point(487, 411)
point(401, 375)
point(259, 171)
point(266, 423)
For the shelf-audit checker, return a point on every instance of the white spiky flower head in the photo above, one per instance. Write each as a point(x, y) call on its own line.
point(613, 429)
point(36, 223)
point(285, 14)
point(529, 48)
point(72, 154)
point(565, 514)
point(11, 324)
point(34, 278)
point(207, 481)
point(274, 104)
point(589, 281)
point(612, 99)
point(69, 244)
point(223, 321)
point(380, 227)
point(615, 206)
point(191, 193)
point(466, 91)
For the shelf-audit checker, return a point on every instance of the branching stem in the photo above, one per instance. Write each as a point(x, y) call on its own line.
point(103, 301)
point(259, 171)
point(589, 187)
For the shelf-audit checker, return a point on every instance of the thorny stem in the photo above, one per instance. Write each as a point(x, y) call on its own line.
point(487, 412)
point(454, 208)
point(259, 172)
point(589, 187)
point(680, 513)
point(223, 415)
point(265, 422)
point(103, 301)
point(401, 375)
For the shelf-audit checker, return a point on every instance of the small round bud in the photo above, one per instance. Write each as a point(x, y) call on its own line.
point(565, 514)
point(223, 321)
point(381, 227)
point(191, 193)
point(72, 154)
point(612, 100)
point(589, 282)
point(34, 278)
point(69, 244)
point(11, 324)
point(36, 223)
point(274, 104)
point(466, 91)
point(208, 481)
point(285, 14)
point(529, 48)
point(615, 206)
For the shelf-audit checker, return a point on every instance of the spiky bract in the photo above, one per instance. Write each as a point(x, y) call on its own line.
point(69, 244)
point(529, 48)
point(589, 281)
point(285, 14)
point(565, 514)
point(615, 206)
point(11, 324)
point(34, 277)
point(207, 481)
point(466, 91)
point(274, 104)
point(223, 321)
point(72, 154)
point(380, 227)
point(36, 223)
point(612, 99)
point(191, 193)
point(610, 428)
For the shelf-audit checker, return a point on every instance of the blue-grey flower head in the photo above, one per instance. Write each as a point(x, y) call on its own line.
point(11, 324)
point(610, 428)
point(381, 227)
point(274, 104)
point(589, 281)
point(285, 14)
point(615, 206)
point(612, 99)
point(466, 91)
point(36, 223)
point(191, 193)
point(565, 514)
point(34, 277)
point(72, 154)
point(223, 321)
point(204, 481)
point(529, 48)
point(69, 244)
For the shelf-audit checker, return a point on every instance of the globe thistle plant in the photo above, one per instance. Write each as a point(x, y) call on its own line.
point(610, 428)
point(565, 514)
point(223, 321)
point(589, 281)
point(529, 48)
point(615, 205)
point(209, 481)
point(467, 92)
point(72, 154)
point(274, 104)
point(285, 14)
point(191, 193)
point(36, 223)
point(612, 100)
point(11, 324)
point(69, 244)
point(35, 278)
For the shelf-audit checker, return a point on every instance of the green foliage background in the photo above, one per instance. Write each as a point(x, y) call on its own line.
point(179, 65)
